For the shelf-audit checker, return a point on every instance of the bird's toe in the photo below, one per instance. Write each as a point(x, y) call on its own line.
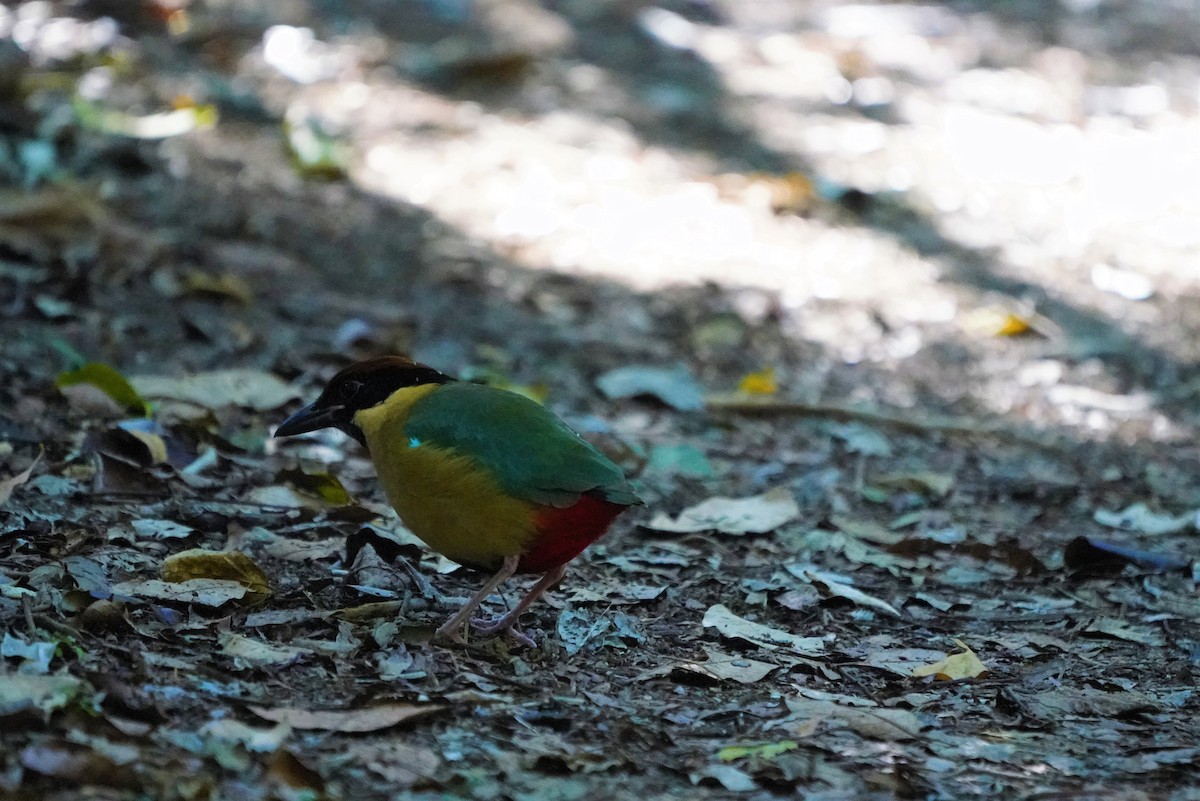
point(452, 634)
point(501, 625)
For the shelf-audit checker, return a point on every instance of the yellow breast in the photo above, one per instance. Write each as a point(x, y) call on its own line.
point(443, 497)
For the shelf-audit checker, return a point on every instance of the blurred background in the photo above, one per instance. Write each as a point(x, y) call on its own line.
point(1004, 189)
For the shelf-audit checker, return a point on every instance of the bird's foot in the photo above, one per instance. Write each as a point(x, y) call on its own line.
point(451, 631)
point(505, 625)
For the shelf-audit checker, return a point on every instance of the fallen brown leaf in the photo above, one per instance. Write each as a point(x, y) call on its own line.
point(372, 718)
point(9, 484)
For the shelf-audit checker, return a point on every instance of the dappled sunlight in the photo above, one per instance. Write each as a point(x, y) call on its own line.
point(617, 209)
point(889, 176)
point(1066, 175)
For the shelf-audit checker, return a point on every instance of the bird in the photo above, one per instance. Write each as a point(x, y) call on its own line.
point(489, 478)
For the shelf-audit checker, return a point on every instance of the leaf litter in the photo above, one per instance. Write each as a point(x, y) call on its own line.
point(883, 485)
point(757, 515)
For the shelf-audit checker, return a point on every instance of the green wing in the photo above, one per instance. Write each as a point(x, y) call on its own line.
point(532, 453)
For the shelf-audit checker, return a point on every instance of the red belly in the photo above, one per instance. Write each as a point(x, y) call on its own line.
point(562, 534)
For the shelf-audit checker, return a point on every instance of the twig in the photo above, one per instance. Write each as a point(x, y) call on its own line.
point(941, 424)
point(27, 606)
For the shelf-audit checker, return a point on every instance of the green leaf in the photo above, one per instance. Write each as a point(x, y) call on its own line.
point(762, 751)
point(110, 382)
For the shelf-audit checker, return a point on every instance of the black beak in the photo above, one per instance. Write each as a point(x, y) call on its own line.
point(310, 418)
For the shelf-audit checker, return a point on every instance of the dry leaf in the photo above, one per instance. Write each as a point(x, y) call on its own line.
point(937, 485)
point(225, 285)
point(866, 530)
point(49, 221)
point(758, 514)
point(283, 617)
point(36, 655)
point(1138, 517)
point(759, 383)
point(730, 625)
point(830, 585)
point(1001, 321)
point(400, 764)
point(673, 386)
point(250, 653)
point(253, 389)
point(901, 661)
point(206, 592)
point(161, 529)
point(287, 769)
point(870, 721)
point(1120, 630)
point(198, 563)
point(722, 666)
point(965, 665)
point(9, 484)
point(261, 741)
point(282, 497)
point(76, 766)
point(371, 718)
point(1085, 702)
point(719, 667)
point(20, 693)
point(732, 779)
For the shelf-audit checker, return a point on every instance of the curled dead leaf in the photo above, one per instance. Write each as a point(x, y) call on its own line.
point(730, 625)
point(9, 484)
point(964, 665)
point(371, 718)
point(829, 585)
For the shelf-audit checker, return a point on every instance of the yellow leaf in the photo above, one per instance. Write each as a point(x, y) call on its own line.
point(199, 563)
point(790, 193)
point(1012, 325)
point(965, 665)
point(1001, 320)
point(759, 383)
point(156, 446)
point(225, 285)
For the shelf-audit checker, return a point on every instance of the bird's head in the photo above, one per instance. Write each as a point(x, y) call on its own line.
point(360, 386)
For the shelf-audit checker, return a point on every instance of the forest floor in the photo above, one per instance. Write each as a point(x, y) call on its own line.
point(911, 301)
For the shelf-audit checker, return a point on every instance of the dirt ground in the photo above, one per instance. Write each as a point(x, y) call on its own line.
point(911, 298)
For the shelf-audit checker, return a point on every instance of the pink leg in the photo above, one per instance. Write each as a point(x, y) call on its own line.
point(451, 629)
point(509, 621)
